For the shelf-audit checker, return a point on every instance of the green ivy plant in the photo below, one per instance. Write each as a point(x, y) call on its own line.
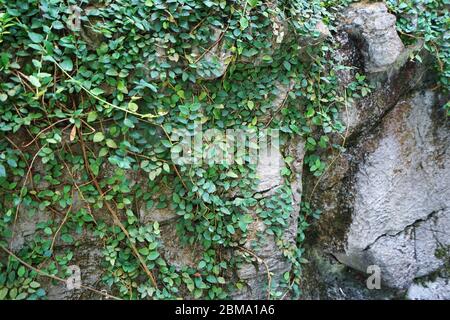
point(428, 22)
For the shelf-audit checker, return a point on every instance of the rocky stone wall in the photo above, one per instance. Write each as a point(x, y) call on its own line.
point(385, 200)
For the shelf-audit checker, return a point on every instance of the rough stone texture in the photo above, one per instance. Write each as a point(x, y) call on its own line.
point(26, 227)
point(155, 214)
point(267, 254)
point(88, 258)
point(389, 196)
point(175, 253)
point(375, 28)
point(321, 33)
point(399, 185)
point(268, 170)
point(385, 199)
point(323, 277)
point(431, 290)
point(397, 80)
point(163, 215)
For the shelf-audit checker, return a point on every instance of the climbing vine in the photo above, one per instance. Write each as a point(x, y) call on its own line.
point(427, 23)
point(90, 96)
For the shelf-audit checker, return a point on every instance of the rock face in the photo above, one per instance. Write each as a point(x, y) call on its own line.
point(375, 28)
point(270, 261)
point(402, 199)
point(218, 55)
point(435, 290)
point(386, 199)
point(390, 196)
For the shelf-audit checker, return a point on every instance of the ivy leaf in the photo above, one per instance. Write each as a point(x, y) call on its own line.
point(153, 255)
point(92, 116)
point(230, 229)
point(166, 167)
point(243, 22)
point(35, 37)
point(287, 65)
point(211, 279)
point(34, 81)
point(99, 136)
point(110, 143)
point(2, 171)
point(103, 152)
point(67, 238)
point(67, 65)
point(128, 123)
point(176, 149)
point(97, 91)
point(231, 174)
point(21, 271)
point(253, 3)
point(3, 293)
point(133, 107)
point(244, 221)
point(200, 284)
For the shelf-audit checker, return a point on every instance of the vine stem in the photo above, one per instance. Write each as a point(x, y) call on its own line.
point(269, 278)
point(113, 213)
point(72, 79)
point(340, 151)
point(62, 224)
point(43, 130)
point(20, 195)
point(45, 274)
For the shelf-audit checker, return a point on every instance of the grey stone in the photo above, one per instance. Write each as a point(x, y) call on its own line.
point(375, 28)
point(26, 226)
point(438, 289)
point(175, 252)
point(270, 263)
point(321, 34)
point(401, 195)
point(88, 257)
point(155, 214)
point(268, 170)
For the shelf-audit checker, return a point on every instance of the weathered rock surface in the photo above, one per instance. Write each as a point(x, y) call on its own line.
point(389, 195)
point(218, 56)
point(402, 184)
point(431, 290)
point(375, 28)
point(88, 258)
point(270, 262)
point(385, 200)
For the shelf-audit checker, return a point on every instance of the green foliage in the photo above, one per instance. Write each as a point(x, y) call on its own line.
point(427, 21)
